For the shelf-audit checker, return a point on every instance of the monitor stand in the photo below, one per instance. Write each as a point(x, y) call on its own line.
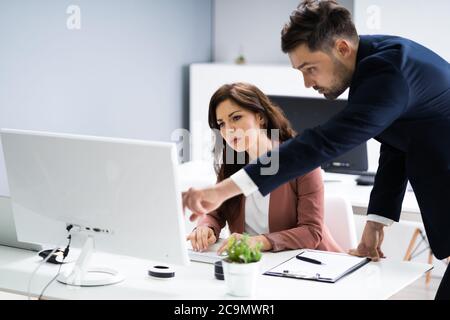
point(83, 276)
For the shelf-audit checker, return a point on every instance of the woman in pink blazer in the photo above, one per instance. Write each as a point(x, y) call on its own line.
point(247, 125)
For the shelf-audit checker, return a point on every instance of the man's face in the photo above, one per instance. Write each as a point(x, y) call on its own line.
point(325, 72)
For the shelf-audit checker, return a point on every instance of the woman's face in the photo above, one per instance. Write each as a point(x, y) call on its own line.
point(238, 126)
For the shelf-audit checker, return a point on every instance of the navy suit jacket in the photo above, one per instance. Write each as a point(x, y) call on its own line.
point(399, 95)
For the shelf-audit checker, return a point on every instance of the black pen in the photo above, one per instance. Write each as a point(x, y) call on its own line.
point(299, 257)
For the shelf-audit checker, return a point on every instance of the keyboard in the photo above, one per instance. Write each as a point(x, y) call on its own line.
point(209, 256)
point(205, 257)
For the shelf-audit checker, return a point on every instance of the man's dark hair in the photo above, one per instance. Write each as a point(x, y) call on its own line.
point(317, 24)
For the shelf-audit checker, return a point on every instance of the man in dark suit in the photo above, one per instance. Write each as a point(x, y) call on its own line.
point(399, 94)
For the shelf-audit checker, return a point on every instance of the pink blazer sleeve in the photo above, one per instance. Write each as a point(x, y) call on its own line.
point(213, 220)
point(310, 214)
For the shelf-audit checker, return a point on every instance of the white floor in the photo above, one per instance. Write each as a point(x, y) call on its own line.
point(419, 290)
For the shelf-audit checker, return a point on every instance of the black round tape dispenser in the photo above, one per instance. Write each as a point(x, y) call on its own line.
point(218, 270)
point(161, 272)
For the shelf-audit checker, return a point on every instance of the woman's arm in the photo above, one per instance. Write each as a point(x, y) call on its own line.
point(213, 220)
point(310, 215)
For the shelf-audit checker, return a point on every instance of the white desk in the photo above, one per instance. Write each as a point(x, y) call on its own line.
point(374, 281)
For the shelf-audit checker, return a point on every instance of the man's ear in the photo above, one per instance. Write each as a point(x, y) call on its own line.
point(343, 48)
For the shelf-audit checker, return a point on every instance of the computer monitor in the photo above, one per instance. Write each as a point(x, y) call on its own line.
point(8, 235)
point(122, 194)
point(305, 113)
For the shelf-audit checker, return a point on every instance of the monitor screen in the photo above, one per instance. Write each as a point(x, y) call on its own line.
point(305, 113)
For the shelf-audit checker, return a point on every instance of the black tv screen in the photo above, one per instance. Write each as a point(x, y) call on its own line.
point(306, 113)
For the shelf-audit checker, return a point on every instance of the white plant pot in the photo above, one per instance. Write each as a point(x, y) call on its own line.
point(240, 278)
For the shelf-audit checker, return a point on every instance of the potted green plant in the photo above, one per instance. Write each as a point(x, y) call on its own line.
point(241, 267)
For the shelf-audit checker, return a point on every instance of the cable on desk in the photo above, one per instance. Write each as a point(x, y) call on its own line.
point(66, 251)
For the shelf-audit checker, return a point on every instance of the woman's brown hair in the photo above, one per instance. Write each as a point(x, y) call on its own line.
point(248, 97)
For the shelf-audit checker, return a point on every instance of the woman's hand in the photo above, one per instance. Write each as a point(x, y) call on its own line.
point(201, 238)
point(252, 241)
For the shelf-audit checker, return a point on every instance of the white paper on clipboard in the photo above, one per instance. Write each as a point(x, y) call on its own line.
point(335, 266)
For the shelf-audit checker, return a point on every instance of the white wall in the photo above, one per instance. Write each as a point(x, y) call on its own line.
point(426, 22)
point(255, 26)
point(122, 74)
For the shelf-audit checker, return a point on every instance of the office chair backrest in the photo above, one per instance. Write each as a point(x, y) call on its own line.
point(339, 220)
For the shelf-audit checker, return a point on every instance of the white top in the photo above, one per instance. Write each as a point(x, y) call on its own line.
point(244, 182)
point(257, 214)
point(248, 187)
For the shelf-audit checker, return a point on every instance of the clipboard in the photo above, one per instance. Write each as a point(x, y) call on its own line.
point(334, 266)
